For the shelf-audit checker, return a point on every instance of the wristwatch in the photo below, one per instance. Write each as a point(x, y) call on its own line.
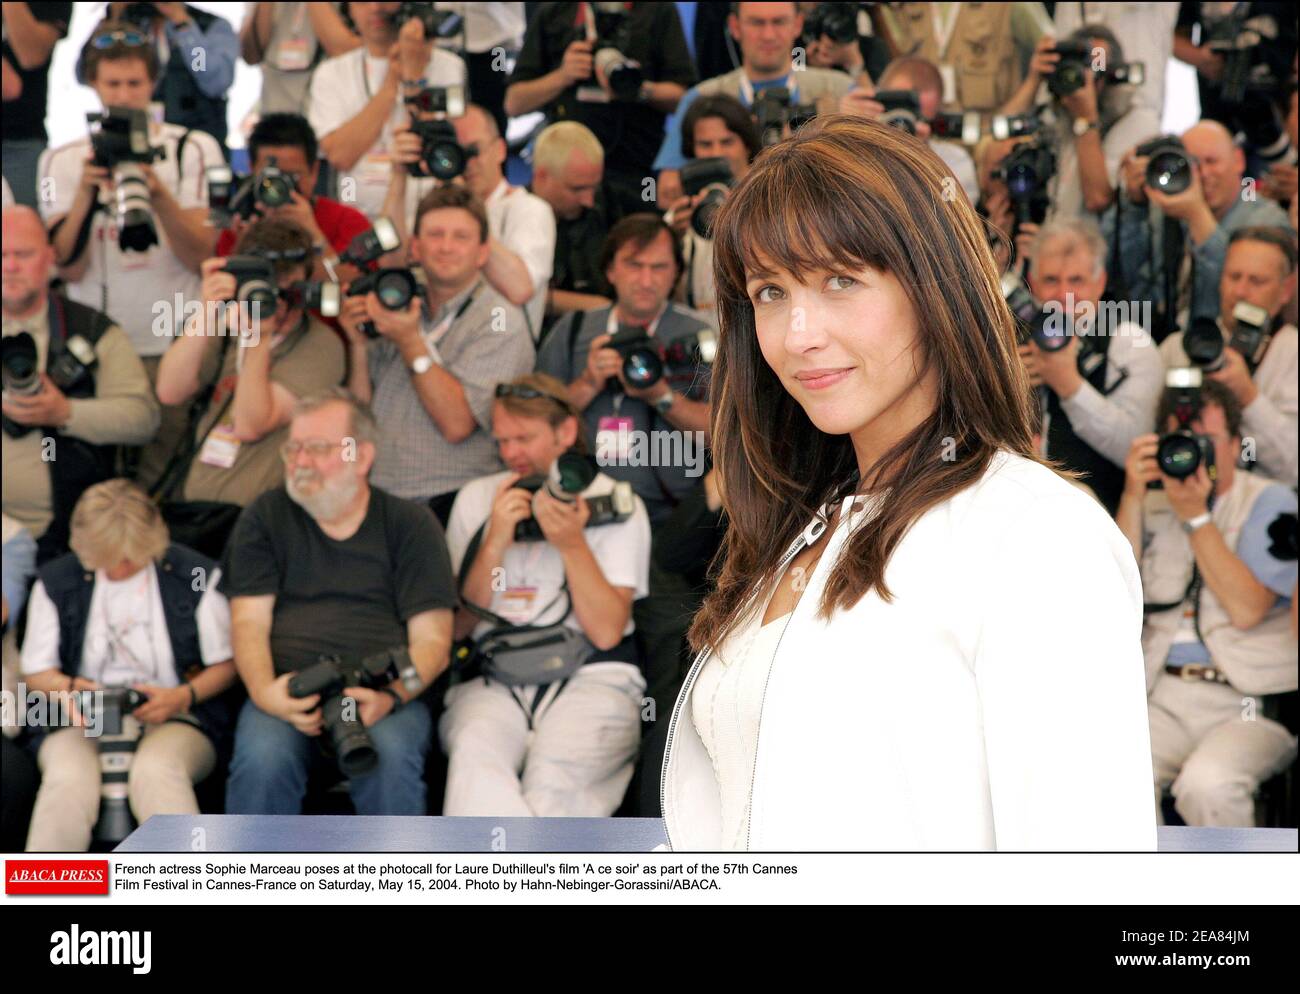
point(665, 403)
point(421, 364)
point(1191, 525)
point(1082, 126)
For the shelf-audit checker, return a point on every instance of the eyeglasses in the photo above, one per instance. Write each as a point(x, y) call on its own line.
point(132, 39)
point(316, 448)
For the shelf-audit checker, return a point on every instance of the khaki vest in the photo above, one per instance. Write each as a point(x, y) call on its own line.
point(1258, 660)
point(981, 51)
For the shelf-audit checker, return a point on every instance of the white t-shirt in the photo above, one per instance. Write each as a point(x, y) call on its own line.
point(521, 221)
point(137, 290)
point(341, 89)
point(6, 194)
point(126, 633)
point(534, 571)
point(487, 25)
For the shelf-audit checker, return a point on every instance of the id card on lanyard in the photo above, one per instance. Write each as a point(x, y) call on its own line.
point(943, 30)
point(294, 53)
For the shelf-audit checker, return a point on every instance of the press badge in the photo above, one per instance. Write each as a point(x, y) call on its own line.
point(294, 55)
point(220, 448)
point(613, 439)
point(592, 95)
point(517, 604)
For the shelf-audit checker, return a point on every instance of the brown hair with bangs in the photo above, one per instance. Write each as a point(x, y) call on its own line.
point(553, 405)
point(843, 194)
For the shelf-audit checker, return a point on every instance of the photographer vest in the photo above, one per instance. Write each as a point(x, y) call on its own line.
point(183, 102)
point(1064, 444)
point(76, 464)
point(71, 586)
point(980, 49)
point(1258, 660)
point(812, 86)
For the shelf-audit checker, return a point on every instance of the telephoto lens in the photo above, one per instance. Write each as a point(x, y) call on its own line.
point(1203, 343)
point(18, 365)
point(1180, 453)
point(1170, 167)
point(135, 227)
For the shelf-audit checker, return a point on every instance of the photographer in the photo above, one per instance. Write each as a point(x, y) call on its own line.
point(198, 51)
point(1091, 126)
point(570, 53)
point(714, 127)
point(102, 182)
point(31, 30)
point(1178, 265)
point(1260, 270)
point(289, 610)
point(766, 34)
point(564, 747)
point(1147, 30)
point(430, 369)
point(1217, 576)
point(127, 608)
point(63, 417)
point(521, 239)
point(241, 371)
point(357, 98)
point(1100, 388)
point(642, 261)
point(843, 36)
point(288, 41)
point(19, 776)
point(568, 173)
point(290, 141)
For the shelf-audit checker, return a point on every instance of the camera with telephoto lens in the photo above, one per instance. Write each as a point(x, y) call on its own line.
point(329, 676)
point(773, 112)
point(140, 15)
point(836, 21)
point(1024, 309)
point(613, 33)
point(1026, 171)
point(448, 101)
point(902, 109)
point(395, 288)
point(1238, 38)
point(965, 128)
point(109, 710)
point(1204, 343)
point(711, 176)
point(1051, 328)
point(256, 286)
point(1181, 452)
point(1004, 126)
point(21, 376)
point(646, 362)
point(569, 476)
point(1076, 62)
point(119, 137)
point(1170, 167)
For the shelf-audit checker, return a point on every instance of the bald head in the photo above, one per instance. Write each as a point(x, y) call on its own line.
point(1220, 163)
point(28, 260)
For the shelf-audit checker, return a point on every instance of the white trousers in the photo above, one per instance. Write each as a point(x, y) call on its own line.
point(1214, 748)
point(169, 759)
point(575, 761)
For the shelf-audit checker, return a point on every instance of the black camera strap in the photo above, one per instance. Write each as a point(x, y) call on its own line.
point(178, 466)
point(471, 552)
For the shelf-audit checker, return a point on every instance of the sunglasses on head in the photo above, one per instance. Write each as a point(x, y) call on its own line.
point(132, 39)
point(528, 393)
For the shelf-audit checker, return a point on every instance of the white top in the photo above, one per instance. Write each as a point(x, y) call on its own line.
point(487, 25)
point(534, 571)
point(341, 88)
point(998, 701)
point(1146, 30)
point(126, 634)
point(1066, 187)
point(521, 221)
point(725, 708)
point(1271, 418)
point(144, 292)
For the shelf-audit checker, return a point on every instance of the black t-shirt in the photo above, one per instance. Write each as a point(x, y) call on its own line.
point(352, 597)
point(25, 117)
point(578, 246)
point(630, 132)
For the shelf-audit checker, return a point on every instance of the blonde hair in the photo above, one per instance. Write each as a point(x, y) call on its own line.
point(558, 140)
point(116, 520)
point(553, 406)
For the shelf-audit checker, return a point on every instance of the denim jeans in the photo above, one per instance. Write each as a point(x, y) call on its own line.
point(268, 772)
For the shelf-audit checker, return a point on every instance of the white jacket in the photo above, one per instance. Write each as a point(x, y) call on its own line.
point(999, 702)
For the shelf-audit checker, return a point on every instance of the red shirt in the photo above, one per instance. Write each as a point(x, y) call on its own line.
point(339, 224)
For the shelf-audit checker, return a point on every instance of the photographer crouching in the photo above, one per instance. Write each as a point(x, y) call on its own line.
point(331, 664)
point(551, 554)
point(137, 623)
point(1216, 550)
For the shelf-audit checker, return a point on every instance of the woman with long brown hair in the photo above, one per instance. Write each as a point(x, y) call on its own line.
point(921, 637)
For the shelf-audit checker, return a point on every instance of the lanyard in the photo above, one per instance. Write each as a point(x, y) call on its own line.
point(436, 334)
point(943, 31)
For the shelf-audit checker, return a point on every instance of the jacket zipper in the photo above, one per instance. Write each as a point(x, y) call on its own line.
point(682, 696)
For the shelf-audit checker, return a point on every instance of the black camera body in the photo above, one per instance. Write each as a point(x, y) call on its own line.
point(1181, 452)
point(436, 23)
point(1026, 171)
point(643, 364)
point(773, 111)
point(1170, 168)
point(569, 476)
point(902, 109)
point(394, 288)
point(713, 177)
point(21, 377)
point(329, 676)
point(441, 153)
point(140, 15)
point(613, 32)
point(119, 137)
point(836, 21)
point(1071, 70)
point(255, 282)
point(1205, 346)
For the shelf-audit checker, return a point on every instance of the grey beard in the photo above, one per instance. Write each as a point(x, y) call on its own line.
point(331, 500)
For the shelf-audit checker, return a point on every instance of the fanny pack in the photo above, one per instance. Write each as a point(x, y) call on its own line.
point(515, 654)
